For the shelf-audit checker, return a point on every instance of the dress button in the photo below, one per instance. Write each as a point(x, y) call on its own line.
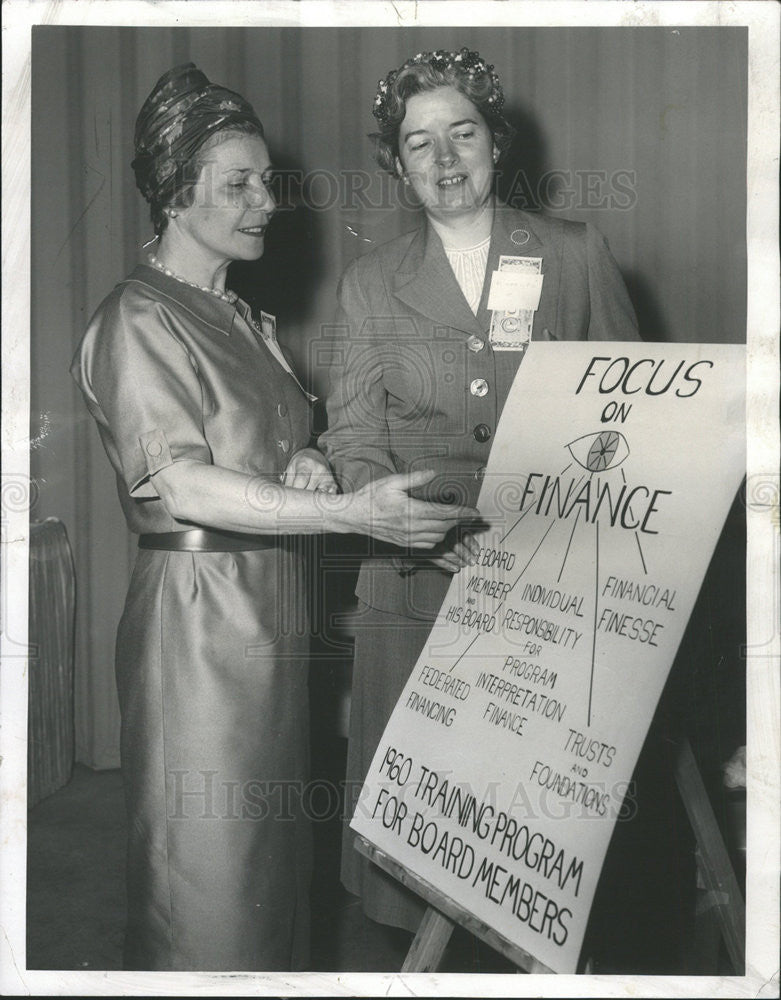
point(284, 444)
point(482, 432)
point(281, 409)
point(478, 387)
point(154, 448)
point(475, 344)
point(480, 473)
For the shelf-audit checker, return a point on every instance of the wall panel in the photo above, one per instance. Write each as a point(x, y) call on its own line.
point(666, 104)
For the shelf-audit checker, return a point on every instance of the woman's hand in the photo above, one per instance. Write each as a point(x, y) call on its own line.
point(309, 470)
point(460, 551)
point(384, 510)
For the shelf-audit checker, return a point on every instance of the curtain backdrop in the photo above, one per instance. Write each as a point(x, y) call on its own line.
point(641, 131)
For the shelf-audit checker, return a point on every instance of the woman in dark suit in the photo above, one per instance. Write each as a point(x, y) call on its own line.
point(425, 367)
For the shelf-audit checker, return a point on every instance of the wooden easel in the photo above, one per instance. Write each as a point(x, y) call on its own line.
point(715, 868)
point(439, 920)
point(713, 862)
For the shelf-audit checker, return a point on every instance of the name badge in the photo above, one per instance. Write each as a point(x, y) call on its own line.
point(513, 298)
point(268, 326)
point(512, 290)
point(268, 331)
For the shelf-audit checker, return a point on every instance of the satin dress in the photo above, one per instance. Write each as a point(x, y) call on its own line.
point(212, 647)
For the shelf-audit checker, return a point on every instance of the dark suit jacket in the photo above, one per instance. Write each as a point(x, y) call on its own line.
point(401, 367)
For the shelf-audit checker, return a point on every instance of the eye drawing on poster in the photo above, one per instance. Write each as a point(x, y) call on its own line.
point(605, 450)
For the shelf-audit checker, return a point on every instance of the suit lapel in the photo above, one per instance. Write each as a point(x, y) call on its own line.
point(425, 282)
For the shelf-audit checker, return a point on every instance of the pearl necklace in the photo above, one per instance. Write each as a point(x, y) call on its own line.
point(230, 297)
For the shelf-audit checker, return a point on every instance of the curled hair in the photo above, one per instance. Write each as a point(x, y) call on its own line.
point(180, 189)
point(428, 71)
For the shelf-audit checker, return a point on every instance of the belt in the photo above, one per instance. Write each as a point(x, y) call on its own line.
point(206, 540)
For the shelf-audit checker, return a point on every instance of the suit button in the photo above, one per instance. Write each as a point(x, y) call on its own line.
point(475, 344)
point(482, 432)
point(478, 387)
point(281, 409)
point(284, 444)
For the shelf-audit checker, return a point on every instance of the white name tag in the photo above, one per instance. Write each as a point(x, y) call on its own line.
point(268, 325)
point(267, 328)
point(512, 290)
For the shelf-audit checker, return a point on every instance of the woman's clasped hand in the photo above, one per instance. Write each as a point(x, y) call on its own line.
point(308, 469)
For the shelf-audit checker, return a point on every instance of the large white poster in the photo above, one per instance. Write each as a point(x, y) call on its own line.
point(504, 765)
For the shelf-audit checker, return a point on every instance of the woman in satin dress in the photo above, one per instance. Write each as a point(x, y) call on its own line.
point(208, 431)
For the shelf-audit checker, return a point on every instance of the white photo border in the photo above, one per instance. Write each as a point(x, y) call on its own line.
point(762, 491)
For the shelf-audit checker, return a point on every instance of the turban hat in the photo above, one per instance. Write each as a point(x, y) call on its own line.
point(180, 114)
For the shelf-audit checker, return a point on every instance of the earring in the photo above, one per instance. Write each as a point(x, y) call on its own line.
point(171, 213)
point(405, 178)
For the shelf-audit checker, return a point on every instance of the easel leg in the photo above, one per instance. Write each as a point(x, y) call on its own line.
point(429, 945)
point(714, 863)
point(430, 942)
point(435, 929)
